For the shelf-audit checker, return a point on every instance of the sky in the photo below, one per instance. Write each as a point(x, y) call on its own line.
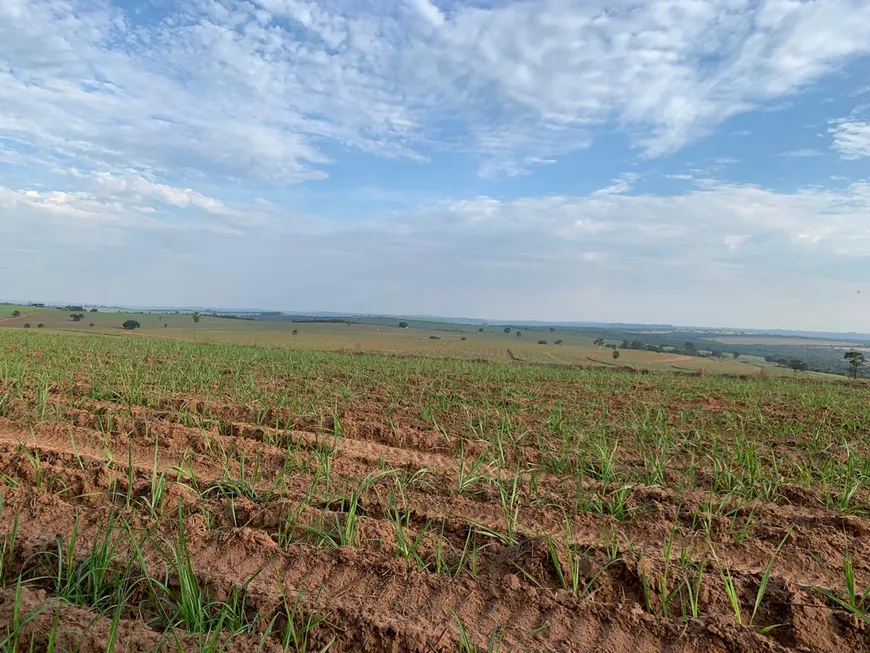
point(693, 162)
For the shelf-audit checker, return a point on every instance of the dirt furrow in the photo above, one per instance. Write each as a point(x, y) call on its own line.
point(812, 542)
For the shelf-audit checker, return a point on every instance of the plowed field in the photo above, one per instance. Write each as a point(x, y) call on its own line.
point(172, 496)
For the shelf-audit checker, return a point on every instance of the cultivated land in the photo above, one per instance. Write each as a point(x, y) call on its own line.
point(491, 345)
point(170, 495)
point(6, 310)
point(789, 340)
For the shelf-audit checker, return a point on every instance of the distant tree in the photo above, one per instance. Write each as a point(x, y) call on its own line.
point(855, 359)
point(403, 325)
point(16, 313)
point(462, 338)
point(519, 333)
point(552, 329)
point(625, 344)
point(295, 332)
point(434, 338)
point(690, 346)
point(636, 344)
point(736, 355)
point(717, 354)
point(40, 325)
point(611, 346)
point(651, 348)
point(798, 365)
point(558, 342)
point(599, 342)
point(27, 325)
point(76, 317)
point(615, 354)
point(196, 318)
point(130, 325)
point(91, 324)
point(165, 325)
point(542, 342)
point(480, 330)
point(93, 310)
point(507, 329)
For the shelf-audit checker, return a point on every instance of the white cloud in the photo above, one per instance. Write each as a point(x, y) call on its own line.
point(667, 71)
point(621, 185)
point(246, 90)
point(851, 138)
point(429, 11)
point(802, 153)
point(136, 188)
point(125, 203)
point(734, 241)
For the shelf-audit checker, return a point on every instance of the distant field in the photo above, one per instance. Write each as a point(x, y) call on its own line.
point(6, 310)
point(492, 345)
point(784, 341)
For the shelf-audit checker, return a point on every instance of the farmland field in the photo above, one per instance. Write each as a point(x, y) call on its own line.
point(450, 341)
point(6, 310)
point(786, 341)
point(161, 494)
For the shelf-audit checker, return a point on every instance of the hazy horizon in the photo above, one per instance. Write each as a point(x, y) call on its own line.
point(558, 160)
point(422, 316)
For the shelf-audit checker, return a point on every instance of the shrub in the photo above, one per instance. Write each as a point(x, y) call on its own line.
point(27, 325)
point(403, 325)
point(16, 313)
point(542, 342)
point(130, 325)
point(40, 325)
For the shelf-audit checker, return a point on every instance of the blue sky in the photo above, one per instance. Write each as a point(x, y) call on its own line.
point(686, 161)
